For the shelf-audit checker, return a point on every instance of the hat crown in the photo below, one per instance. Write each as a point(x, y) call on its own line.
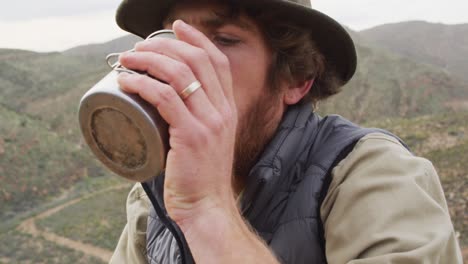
point(302, 2)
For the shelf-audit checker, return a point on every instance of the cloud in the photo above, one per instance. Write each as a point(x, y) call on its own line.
point(59, 33)
point(360, 14)
point(28, 10)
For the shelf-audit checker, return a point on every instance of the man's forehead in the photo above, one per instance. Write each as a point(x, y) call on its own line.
point(210, 16)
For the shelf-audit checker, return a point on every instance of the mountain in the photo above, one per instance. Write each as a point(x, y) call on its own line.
point(445, 46)
point(42, 154)
point(389, 85)
point(117, 45)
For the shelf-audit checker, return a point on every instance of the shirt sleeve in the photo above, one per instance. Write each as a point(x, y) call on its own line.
point(131, 247)
point(385, 205)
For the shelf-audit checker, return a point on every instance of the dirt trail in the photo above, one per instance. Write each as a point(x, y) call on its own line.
point(29, 226)
point(465, 255)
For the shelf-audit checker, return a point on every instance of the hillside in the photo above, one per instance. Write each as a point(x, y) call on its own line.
point(445, 46)
point(47, 86)
point(42, 154)
point(101, 50)
point(37, 164)
point(389, 85)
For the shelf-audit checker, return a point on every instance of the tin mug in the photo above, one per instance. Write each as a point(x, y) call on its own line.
point(123, 131)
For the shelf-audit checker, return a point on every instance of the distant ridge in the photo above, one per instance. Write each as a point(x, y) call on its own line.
point(442, 45)
point(117, 45)
point(388, 82)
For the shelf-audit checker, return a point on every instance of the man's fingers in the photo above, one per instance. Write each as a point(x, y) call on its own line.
point(178, 75)
point(192, 36)
point(160, 95)
point(196, 58)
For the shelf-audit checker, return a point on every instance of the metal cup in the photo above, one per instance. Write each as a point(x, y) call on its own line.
point(124, 132)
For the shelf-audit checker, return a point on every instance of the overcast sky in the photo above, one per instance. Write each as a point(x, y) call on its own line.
point(56, 25)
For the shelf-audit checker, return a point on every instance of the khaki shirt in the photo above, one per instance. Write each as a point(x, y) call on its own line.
point(384, 205)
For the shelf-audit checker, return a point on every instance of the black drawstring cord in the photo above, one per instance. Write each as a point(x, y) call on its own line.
point(185, 252)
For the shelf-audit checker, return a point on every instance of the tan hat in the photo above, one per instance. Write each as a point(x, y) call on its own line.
point(142, 17)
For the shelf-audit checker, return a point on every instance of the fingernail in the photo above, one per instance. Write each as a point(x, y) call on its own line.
point(139, 45)
point(182, 24)
point(123, 75)
point(122, 55)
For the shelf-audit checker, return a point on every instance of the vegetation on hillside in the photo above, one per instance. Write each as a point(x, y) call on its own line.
point(36, 164)
point(17, 247)
point(42, 153)
point(48, 86)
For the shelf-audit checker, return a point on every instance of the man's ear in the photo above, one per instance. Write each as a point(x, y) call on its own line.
point(297, 91)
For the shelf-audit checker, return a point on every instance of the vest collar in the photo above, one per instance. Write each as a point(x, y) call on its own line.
point(278, 157)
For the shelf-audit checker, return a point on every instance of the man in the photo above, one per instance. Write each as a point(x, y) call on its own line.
point(253, 175)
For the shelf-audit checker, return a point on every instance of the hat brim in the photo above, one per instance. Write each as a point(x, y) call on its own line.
point(143, 17)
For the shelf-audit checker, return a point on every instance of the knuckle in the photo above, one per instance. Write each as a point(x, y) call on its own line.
point(167, 94)
point(180, 71)
point(230, 114)
point(152, 59)
point(203, 137)
point(159, 45)
point(201, 56)
point(217, 123)
point(230, 117)
point(198, 136)
point(223, 62)
point(139, 80)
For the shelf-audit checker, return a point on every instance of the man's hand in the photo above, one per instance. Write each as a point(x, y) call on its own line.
point(202, 127)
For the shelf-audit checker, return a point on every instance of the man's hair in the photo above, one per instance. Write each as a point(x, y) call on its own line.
point(296, 57)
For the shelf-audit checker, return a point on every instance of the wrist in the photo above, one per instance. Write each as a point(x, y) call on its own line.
point(209, 219)
point(213, 231)
point(220, 235)
point(188, 209)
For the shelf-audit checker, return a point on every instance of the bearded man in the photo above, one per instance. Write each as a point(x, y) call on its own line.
point(253, 174)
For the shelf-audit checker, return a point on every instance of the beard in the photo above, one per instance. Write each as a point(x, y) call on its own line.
point(254, 131)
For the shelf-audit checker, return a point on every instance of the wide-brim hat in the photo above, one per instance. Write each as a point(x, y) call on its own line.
point(143, 17)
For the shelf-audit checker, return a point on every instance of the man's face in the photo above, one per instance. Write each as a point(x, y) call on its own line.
point(241, 40)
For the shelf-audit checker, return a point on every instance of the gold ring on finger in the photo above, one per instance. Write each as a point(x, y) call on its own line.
point(190, 90)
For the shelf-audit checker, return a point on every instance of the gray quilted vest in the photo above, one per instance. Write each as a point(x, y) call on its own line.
point(283, 194)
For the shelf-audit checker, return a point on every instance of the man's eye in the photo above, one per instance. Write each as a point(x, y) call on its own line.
point(226, 41)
